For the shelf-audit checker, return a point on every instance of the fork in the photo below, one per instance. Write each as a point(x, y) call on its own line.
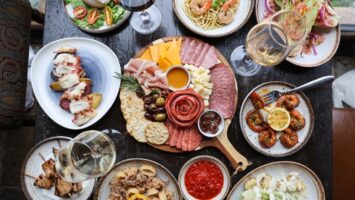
point(275, 95)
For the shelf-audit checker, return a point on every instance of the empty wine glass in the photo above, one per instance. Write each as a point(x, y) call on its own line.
point(89, 155)
point(146, 17)
point(270, 42)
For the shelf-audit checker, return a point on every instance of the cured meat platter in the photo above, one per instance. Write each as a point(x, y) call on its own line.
point(179, 94)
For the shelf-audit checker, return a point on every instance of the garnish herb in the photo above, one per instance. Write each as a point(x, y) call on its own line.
point(130, 83)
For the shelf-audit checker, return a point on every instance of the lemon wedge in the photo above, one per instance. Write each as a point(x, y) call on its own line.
point(279, 119)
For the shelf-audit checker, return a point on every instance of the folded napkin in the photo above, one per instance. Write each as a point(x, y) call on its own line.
point(29, 93)
point(343, 90)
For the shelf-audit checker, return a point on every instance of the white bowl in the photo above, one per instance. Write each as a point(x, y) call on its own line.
point(220, 127)
point(242, 15)
point(222, 167)
point(100, 64)
point(188, 80)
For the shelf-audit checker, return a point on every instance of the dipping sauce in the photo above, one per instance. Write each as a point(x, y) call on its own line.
point(178, 78)
point(210, 121)
point(204, 180)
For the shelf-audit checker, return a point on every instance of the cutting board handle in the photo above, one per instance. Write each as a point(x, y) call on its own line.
point(239, 162)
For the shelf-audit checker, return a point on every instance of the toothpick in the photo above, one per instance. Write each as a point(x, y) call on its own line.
point(28, 175)
point(42, 157)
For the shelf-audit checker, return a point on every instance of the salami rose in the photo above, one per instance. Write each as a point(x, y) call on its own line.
point(184, 107)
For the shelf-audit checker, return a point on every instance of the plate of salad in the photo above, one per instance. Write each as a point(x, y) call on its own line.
point(323, 29)
point(279, 181)
point(96, 16)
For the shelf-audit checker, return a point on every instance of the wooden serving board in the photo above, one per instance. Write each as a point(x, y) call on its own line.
point(221, 142)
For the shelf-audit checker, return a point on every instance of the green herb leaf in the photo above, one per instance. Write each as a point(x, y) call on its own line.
point(130, 83)
point(217, 3)
point(117, 13)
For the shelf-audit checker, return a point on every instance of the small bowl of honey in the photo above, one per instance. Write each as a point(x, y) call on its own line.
point(178, 78)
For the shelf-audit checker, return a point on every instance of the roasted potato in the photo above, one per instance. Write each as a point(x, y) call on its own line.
point(96, 99)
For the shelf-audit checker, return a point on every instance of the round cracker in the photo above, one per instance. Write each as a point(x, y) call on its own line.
point(156, 133)
point(138, 130)
point(131, 104)
point(133, 120)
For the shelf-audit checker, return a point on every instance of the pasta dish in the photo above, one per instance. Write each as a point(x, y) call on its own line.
point(210, 14)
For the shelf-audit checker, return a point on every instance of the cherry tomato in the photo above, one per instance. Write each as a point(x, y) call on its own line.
point(80, 12)
point(108, 15)
point(93, 15)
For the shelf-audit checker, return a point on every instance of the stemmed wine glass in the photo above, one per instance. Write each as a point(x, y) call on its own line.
point(270, 42)
point(89, 155)
point(147, 17)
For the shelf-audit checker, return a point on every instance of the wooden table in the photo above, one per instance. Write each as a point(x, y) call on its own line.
point(317, 154)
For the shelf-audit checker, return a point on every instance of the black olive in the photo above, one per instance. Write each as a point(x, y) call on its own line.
point(149, 116)
point(148, 100)
point(146, 106)
point(155, 96)
point(160, 110)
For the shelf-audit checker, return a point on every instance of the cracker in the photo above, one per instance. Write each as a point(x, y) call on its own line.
point(133, 120)
point(138, 130)
point(131, 104)
point(156, 133)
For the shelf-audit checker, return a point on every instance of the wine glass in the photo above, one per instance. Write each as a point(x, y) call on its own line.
point(146, 17)
point(270, 42)
point(89, 155)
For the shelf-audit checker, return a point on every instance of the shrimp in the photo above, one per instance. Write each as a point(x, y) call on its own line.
point(226, 15)
point(200, 7)
point(255, 121)
point(267, 138)
point(297, 120)
point(289, 101)
point(257, 101)
point(289, 138)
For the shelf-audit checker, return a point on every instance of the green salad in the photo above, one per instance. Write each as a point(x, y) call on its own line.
point(86, 16)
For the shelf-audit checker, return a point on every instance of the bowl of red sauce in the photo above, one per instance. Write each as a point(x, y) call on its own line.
point(204, 178)
point(210, 123)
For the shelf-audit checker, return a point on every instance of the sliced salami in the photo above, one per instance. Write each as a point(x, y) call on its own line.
point(190, 51)
point(223, 93)
point(185, 140)
point(194, 54)
point(194, 139)
point(181, 134)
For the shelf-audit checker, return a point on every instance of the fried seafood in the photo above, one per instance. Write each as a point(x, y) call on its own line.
point(289, 101)
point(289, 138)
point(297, 120)
point(138, 183)
point(255, 121)
point(267, 138)
point(257, 101)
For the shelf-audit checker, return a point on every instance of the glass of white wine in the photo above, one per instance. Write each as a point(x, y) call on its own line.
point(89, 155)
point(270, 42)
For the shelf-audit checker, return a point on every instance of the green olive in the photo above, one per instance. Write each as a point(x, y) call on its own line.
point(160, 101)
point(152, 107)
point(160, 117)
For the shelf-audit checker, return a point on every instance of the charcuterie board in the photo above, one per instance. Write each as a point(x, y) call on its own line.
point(220, 141)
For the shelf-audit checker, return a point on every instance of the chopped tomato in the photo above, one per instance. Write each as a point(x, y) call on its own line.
point(116, 1)
point(108, 15)
point(93, 15)
point(80, 12)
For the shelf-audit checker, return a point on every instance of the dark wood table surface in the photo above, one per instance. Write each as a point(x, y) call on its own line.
point(317, 153)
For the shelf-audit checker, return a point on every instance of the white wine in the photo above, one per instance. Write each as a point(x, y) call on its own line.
point(89, 155)
point(267, 44)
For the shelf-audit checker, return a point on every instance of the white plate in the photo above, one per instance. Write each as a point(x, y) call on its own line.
point(222, 167)
point(102, 192)
point(100, 64)
point(33, 166)
point(278, 150)
point(243, 13)
point(103, 29)
point(325, 51)
point(315, 190)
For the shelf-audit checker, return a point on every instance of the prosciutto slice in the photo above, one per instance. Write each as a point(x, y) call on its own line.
point(147, 73)
point(223, 94)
